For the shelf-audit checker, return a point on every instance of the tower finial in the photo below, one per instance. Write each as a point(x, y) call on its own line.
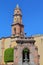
point(17, 6)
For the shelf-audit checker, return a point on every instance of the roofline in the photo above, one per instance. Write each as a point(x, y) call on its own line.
point(37, 35)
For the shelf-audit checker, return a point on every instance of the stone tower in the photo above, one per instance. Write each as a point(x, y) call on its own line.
point(25, 52)
point(17, 26)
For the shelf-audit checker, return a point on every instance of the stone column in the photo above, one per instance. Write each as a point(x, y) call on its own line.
point(15, 56)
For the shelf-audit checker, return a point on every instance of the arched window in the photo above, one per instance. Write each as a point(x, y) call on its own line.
point(25, 55)
point(15, 30)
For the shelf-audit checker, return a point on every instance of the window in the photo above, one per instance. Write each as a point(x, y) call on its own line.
point(17, 11)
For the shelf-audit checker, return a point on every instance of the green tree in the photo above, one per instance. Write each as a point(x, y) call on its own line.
point(9, 55)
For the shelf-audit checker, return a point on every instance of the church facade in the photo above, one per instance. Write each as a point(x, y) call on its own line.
point(21, 43)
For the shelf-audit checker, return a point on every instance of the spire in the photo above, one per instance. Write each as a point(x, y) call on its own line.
point(17, 6)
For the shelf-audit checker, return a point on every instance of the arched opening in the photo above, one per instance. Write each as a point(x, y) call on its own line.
point(25, 55)
point(15, 30)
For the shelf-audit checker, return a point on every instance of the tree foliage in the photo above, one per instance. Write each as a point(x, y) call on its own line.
point(9, 55)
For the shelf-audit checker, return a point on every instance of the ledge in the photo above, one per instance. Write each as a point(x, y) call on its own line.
point(18, 24)
point(25, 40)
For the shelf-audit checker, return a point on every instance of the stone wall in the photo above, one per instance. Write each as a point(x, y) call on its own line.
point(39, 44)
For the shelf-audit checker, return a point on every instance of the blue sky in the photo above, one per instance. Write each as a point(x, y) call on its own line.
point(32, 11)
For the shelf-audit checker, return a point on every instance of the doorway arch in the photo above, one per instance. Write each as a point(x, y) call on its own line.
point(26, 55)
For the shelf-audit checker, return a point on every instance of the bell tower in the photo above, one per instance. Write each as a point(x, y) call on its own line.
point(17, 26)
